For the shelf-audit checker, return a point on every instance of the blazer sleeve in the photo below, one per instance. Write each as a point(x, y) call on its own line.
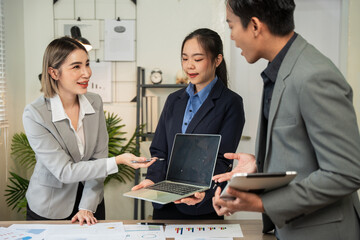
point(159, 148)
point(93, 189)
point(326, 106)
point(52, 157)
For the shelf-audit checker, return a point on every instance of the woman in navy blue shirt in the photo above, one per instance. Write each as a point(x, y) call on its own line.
point(206, 106)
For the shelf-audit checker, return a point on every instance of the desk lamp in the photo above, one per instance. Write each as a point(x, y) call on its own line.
point(76, 34)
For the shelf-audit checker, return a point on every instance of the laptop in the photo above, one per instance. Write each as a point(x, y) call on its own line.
point(191, 168)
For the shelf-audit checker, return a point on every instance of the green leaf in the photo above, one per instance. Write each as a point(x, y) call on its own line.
point(118, 145)
point(15, 193)
point(22, 152)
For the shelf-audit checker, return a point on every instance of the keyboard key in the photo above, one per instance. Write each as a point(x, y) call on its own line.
point(173, 188)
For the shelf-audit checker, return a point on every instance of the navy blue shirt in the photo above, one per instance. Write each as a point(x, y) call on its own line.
point(195, 101)
point(270, 73)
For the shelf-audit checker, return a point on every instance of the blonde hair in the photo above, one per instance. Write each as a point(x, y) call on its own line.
point(55, 55)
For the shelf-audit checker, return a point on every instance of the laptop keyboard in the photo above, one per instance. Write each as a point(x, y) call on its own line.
point(173, 188)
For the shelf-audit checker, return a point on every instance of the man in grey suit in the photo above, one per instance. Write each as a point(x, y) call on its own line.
point(307, 124)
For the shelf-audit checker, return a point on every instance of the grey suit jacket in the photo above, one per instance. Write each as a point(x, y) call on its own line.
point(312, 129)
point(59, 169)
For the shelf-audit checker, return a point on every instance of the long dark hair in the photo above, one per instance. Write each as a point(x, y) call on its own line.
point(211, 42)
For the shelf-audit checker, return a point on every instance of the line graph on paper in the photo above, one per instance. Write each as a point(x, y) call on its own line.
point(219, 230)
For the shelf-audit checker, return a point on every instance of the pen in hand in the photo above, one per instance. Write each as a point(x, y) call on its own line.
point(216, 184)
point(149, 160)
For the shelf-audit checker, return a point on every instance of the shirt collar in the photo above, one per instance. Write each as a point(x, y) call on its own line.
point(58, 112)
point(85, 105)
point(203, 94)
point(272, 70)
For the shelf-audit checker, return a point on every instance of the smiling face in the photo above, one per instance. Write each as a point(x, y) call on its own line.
point(197, 64)
point(244, 38)
point(73, 75)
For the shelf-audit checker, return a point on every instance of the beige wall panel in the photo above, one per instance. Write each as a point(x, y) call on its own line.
point(105, 9)
point(124, 92)
point(127, 112)
point(125, 9)
point(126, 71)
point(99, 53)
point(64, 9)
point(85, 9)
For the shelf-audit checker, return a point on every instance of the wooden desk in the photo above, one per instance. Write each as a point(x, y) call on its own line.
point(251, 228)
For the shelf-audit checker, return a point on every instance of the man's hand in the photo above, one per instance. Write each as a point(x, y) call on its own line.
point(192, 200)
point(84, 216)
point(244, 201)
point(246, 164)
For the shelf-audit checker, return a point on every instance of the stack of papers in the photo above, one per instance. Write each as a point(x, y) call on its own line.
point(109, 231)
point(9, 234)
point(118, 231)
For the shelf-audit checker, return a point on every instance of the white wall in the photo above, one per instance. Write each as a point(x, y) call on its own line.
point(353, 61)
point(15, 75)
point(163, 25)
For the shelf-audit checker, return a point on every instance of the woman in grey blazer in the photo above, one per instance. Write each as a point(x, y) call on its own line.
point(67, 131)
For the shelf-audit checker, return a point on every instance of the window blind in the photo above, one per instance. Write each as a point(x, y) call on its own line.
point(3, 119)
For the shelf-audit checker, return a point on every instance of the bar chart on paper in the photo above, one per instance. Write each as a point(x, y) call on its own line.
point(100, 81)
point(219, 230)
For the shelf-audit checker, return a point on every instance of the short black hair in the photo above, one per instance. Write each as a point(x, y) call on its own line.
point(278, 15)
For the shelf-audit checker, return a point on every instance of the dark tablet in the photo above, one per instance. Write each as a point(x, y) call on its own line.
point(258, 182)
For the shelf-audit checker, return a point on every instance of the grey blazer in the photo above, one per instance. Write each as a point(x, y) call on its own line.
point(59, 169)
point(312, 129)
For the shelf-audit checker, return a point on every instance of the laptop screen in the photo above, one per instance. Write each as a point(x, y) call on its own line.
point(193, 158)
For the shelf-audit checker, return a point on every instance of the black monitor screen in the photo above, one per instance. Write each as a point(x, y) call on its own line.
point(193, 158)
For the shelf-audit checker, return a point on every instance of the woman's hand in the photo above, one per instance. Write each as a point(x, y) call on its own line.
point(192, 200)
point(84, 216)
point(128, 159)
point(144, 183)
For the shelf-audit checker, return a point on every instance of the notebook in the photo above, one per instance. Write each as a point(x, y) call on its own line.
point(191, 168)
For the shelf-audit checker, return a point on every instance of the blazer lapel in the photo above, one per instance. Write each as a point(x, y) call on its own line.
point(67, 136)
point(206, 106)
point(91, 121)
point(284, 71)
point(275, 101)
point(179, 110)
